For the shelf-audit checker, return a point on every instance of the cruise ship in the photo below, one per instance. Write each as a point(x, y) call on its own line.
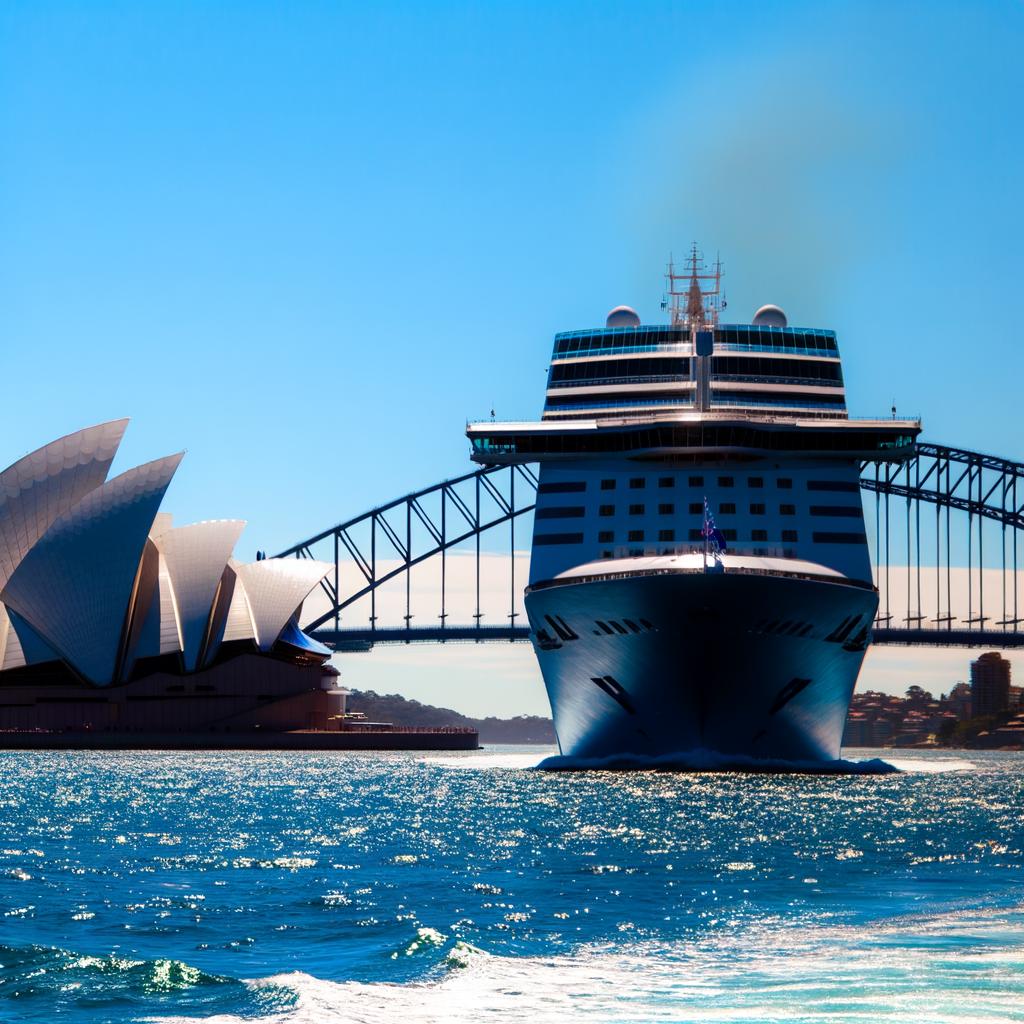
point(700, 577)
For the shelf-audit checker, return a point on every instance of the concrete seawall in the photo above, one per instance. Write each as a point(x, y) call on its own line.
point(392, 739)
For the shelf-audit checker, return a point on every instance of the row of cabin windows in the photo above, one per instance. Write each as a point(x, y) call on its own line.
point(775, 337)
point(615, 369)
point(633, 536)
point(757, 536)
point(638, 483)
point(697, 508)
point(724, 367)
point(571, 343)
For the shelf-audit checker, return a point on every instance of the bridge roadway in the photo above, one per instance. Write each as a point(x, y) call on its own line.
point(917, 553)
point(351, 639)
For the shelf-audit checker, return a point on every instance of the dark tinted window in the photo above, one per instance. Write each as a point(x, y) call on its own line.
point(560, 487)
point(558, 538)
point(607, 485)
point(606, 537)
point(666, 370)
point(789, 535)
point(725, 481)
point(666, 481)
point(836, 510)
point(758, 534)
point(756, 509)
point(572, 342)
point(637, 483)
point(696, 508)
point(756, 481)
point(636, 510)
point(635, 535)
point(775, 369)
point(787, 510)
point(777, 337)
point(785, 483)
point(666, 509)
point(839, 538)
point(606, 510)
point(560, 512)
point(666, 535)
point(696, 481)
point(727, 507)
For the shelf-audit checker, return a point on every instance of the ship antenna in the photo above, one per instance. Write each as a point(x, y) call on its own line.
point(694, 299)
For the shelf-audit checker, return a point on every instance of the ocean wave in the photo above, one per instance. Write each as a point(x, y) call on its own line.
point(712, 761)
point(58, 981)
point(955, 968)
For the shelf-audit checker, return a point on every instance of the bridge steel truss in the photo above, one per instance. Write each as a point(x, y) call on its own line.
point(433, 521)
point(461, 511)
point(989, 493)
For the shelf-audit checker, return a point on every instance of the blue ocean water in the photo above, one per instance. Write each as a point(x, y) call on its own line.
point(300, 887)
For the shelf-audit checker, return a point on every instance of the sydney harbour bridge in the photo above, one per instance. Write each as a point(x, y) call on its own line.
point(946, 530)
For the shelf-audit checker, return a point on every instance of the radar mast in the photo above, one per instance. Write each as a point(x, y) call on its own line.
point(694, 296)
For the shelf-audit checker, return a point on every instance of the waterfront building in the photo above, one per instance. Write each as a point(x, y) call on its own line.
point(700, 575)
point(860, 731)
point(113, 618)
point(959, 701)
point(990, 684)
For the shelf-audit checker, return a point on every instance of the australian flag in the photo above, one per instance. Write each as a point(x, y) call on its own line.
point(711, 533)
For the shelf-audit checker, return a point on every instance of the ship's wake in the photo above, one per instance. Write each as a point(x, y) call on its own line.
point(847, 974)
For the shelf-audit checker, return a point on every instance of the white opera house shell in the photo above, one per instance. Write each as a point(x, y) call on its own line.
point(112, 618)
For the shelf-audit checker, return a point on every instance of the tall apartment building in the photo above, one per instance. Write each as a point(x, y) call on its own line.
point(990, 684)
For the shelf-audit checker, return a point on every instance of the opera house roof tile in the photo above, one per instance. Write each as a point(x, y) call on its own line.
point(45, 484)
point(276, 588)
point(195, 557)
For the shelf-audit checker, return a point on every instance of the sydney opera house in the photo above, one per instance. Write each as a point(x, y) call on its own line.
point(114, 619)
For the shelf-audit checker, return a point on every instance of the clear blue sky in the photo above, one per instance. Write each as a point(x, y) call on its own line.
point(306, 241)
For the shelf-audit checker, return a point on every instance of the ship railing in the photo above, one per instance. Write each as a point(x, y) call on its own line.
point(691, 416)
point(781, 402)
point(767, 378)
point(598, 382)
point(670, 550)
point(683, 349)
point(730, 570)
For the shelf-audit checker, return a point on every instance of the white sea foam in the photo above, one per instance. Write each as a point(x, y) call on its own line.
point(700, 761)
point(490, 759)
point(697, 761)
point(931, 765)
point(847, 975)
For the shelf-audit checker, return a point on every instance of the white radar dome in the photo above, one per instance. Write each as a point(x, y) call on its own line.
point(623, 316)
point(770, 316)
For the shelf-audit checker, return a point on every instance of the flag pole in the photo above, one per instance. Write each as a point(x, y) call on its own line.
point(705, 532)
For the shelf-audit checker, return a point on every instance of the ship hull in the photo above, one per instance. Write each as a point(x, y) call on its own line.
point(747, 665)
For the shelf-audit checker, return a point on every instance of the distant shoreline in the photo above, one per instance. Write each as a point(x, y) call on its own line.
point(401, 712)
